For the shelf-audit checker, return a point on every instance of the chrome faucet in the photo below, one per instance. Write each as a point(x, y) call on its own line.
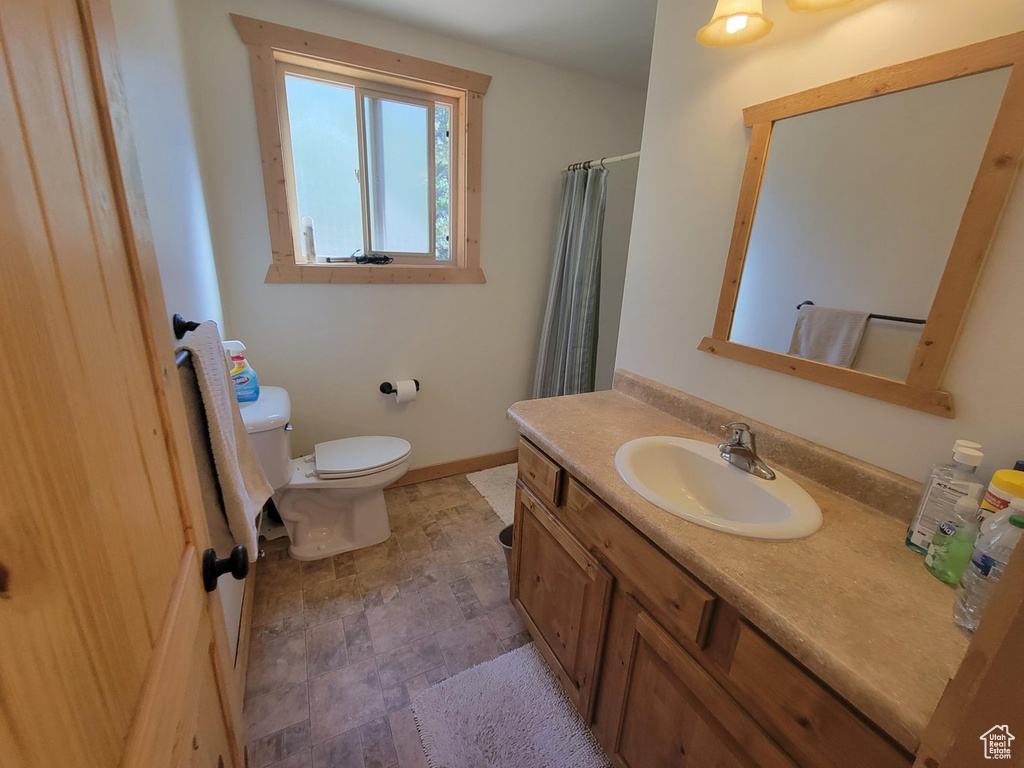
point(741, 451)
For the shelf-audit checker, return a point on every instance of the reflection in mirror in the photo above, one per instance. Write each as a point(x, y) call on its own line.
point(857, 213)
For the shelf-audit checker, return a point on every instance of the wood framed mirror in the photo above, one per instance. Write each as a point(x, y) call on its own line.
point(873, 200)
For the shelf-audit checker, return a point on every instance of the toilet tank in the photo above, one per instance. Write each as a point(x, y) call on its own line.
point(266, 421)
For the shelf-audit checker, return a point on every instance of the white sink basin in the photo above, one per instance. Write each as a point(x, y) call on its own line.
point(689, 479)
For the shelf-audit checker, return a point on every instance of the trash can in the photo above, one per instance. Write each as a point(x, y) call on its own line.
point(505, 540)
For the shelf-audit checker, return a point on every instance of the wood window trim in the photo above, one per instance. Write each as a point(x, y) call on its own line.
point(995, 177)
point(269, 44)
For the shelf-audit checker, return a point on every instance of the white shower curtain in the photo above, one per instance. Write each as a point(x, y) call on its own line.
point(568, 345)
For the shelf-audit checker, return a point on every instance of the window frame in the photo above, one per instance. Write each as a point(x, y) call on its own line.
point(372, 205)
point(363, 88)
point(275, 50)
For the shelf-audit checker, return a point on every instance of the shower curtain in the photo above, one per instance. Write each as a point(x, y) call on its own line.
point(568, 344)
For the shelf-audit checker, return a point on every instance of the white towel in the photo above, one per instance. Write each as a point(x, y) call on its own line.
point(243, 485)
point(828, 335)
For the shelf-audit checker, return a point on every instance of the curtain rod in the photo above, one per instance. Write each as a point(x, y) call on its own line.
point(586, 164)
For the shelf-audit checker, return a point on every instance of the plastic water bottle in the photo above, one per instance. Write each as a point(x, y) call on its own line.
point(991, 554)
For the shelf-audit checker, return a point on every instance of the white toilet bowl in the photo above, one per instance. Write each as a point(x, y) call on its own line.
point(331, 501)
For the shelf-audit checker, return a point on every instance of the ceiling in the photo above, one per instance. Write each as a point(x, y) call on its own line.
point(609, 39)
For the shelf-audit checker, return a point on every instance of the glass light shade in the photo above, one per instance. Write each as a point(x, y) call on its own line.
point(735, 22)
point(810, 6)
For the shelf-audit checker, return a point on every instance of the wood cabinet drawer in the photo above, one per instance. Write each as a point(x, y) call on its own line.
point(810, 721)
point(673, 597)
point(540, 474)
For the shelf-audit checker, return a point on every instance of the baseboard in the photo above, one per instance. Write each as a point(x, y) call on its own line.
point(458, 467)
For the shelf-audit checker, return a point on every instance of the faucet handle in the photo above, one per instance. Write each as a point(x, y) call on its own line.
point(742, 434)
point(736, 427)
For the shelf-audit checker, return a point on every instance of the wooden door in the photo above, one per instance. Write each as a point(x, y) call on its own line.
point(673, 714)
point(562, 594)
point(108, 654)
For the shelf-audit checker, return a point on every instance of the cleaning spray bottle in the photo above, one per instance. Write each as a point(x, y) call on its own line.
point(243, 377)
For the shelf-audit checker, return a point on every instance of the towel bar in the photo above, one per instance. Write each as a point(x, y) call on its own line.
point(873, 316)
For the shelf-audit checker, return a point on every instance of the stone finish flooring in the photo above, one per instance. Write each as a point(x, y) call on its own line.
point(340, 645)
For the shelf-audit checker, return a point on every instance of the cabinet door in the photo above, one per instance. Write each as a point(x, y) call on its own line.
point(562, 594)
point(673, 713)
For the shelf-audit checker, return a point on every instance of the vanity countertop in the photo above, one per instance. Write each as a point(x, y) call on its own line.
point(851, 602)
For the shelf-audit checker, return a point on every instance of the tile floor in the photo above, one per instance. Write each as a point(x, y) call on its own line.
point(340, 645)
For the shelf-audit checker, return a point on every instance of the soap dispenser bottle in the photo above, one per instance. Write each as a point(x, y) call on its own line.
point(953, 543)
point(946, 485)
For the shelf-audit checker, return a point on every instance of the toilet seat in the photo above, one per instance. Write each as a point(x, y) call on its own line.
point(353, 457)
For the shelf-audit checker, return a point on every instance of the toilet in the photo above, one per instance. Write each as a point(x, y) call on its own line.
point(331, 501)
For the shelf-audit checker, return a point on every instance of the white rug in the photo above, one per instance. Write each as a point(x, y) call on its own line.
point(506, 713)
point(498, 486)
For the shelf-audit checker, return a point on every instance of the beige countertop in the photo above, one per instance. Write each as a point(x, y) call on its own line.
point(851, 602)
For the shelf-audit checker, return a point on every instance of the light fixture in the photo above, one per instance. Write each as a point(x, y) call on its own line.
point(736, 22)
point(810, 6)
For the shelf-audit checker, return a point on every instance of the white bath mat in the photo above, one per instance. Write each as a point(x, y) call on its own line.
point(506, 713)
point(498, 486)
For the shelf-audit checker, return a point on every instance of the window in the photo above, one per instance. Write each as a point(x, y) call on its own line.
point(366, 154)
point(368, 168)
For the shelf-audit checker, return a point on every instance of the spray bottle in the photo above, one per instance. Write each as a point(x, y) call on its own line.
point(243, 377)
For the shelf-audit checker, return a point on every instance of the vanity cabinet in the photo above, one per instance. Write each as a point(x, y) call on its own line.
point(664, 671)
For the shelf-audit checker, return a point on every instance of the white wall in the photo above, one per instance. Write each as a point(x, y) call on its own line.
point(149, 41)
point(473, 347)
point(694, 149)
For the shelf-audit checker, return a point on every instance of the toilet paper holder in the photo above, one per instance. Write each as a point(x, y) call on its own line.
point(387, 388)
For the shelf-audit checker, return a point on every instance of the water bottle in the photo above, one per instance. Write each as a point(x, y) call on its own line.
point(991, 554)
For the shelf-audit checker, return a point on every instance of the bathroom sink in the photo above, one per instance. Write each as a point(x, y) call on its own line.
point(689, 479)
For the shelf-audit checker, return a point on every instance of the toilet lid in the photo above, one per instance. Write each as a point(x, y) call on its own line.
point(355, 456)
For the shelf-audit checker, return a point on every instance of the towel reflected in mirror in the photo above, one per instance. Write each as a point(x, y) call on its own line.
point(828, 335)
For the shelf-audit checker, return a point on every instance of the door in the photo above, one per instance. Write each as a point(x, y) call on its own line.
point(108, 654)
point(562, 594)
point(673, 713)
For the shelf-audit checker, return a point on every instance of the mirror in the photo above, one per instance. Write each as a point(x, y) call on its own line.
point(863, 208)
point(858, 210)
